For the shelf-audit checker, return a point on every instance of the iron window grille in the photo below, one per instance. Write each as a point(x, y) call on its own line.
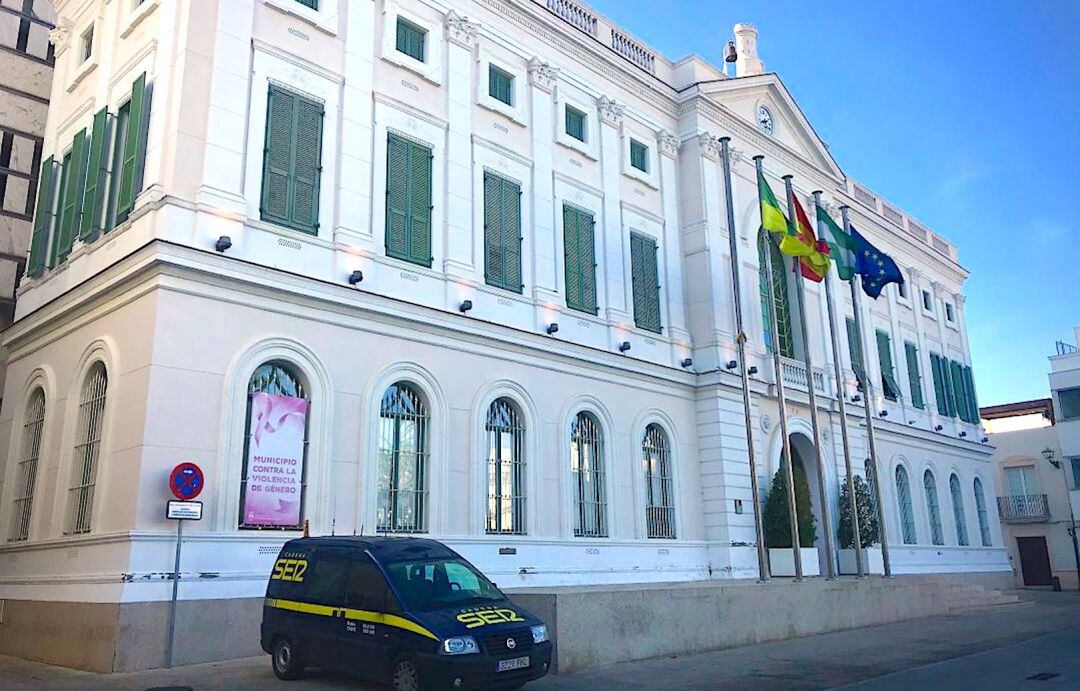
point(88, 430)
point(903, 498)
point(933, 511)
point(26, 471)
point(958, 511)
point(980, 509)
point(587, 469)
point(403, 444)
point(768, 251)
point(506, 469)
point(660, 505)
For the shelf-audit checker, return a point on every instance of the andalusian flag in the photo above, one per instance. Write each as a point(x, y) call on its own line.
point(805, 245)
point(772, 217)
point(841, 247)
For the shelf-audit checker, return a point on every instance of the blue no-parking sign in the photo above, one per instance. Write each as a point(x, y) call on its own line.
point(186, 481)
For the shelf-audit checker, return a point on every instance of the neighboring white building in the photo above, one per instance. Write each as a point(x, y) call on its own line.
point(385, 208)
point(1037, 454)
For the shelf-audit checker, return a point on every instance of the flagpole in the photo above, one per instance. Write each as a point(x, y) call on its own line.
point(826, 525)
point(740, 344)
point(854, 508)
point(778, 376)
point(867, 407)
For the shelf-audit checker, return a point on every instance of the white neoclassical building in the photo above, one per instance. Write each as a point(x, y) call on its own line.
point(457, 268)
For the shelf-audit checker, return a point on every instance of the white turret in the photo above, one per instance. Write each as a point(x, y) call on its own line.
point(748, 63)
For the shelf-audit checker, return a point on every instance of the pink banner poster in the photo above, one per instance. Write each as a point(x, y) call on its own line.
point(275, 462)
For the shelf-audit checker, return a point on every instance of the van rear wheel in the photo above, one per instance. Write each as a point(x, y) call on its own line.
point(404, 676)
point(286, 659)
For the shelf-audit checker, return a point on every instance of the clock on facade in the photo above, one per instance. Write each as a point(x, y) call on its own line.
point(765, 120)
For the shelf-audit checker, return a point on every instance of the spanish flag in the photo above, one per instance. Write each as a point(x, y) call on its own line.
point(813, 255)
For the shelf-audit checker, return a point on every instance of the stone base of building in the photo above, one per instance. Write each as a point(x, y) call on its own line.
point(591, 625)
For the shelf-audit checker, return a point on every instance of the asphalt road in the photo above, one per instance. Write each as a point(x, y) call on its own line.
point(1003, 647)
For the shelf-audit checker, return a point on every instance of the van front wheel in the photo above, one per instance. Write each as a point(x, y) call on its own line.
point(286, 660)
point(404, 675)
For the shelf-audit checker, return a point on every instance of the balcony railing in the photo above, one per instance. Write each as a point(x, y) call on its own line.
point(633, 51)
point(575, 15)
point(1023, 508)
point(794, 373)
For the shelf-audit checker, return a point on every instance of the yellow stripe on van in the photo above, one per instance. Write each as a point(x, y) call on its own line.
point(354, 614)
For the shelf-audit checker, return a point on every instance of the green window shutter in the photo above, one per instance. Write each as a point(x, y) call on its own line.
point(502, 233)
point(949, 390)
point(580, 259)
point(62, 243)
point(131, 172)
point(571, 258)
point(888, 374)
point(410, 39)
point(855, 348)
point(973, 402)
point(94, 191)
point(307, 165)
point(313, 4)
point(500, 85)
point(939, 384)
point(575, 123)
point(43, 215)
point(639, 156)
point(645, 281)
point(117, 162)
point(420, 205)
point(76, 190)
point(960, 408)
point(914, 375)
point(278, 155)
point(587, 252)
point(397, 189)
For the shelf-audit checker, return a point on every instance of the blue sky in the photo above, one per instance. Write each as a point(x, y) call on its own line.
point(965, 114)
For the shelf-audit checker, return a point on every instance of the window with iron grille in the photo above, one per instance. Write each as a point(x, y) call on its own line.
point(769, 252)
point(26, 471)
point(587, 470)
point(89, 428)
point(411, 39)
point(903, 498)
point(506, 468)
point(958, 511)
point(980, 509)
point(871, 478)
point(500, 85)
point(659, 494)
point(933, 511)
point(639, 155)
point(575, 123)
point(403, 452)
point(276, 378)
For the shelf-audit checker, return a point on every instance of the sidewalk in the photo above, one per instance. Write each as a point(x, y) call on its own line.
point(993, 647)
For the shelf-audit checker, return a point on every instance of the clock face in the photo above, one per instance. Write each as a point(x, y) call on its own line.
point(765, 120)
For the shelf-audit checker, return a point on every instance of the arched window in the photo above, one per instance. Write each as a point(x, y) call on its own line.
point(26, 471)
point(587, 468)
point(980, 508)
point(88, 431)
point(659, 499)
point(871, 478)
point(903, 498)
point(506, 468)
point(274, 476)
point(933, 511)
point(958, 510)
point(403, 452)
point(768, 249)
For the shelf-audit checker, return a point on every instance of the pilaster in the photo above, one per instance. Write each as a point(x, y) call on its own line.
point(613, 266)
point(354, 209)
point(461, 241)
point(543, 78)
point(669, 190)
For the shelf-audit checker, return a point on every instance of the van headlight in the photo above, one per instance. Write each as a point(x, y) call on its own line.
point(539, 633)
point(460, 645)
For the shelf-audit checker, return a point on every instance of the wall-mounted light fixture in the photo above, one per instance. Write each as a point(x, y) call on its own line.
point(465, 306)
point(355, 277)
point(687, 363)
point(223, 243)
point(938, 428)
point(963, 434)
point(731, 364)
point(624, 346)
point(856, 398)
point(752, 371)
point(552, 328)
point(985, 439)
point(883, 413)
point(911, 422)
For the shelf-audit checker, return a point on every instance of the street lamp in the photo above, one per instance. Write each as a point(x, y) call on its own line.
point(1048, 454)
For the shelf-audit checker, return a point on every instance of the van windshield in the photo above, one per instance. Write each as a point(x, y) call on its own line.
point(436, 583)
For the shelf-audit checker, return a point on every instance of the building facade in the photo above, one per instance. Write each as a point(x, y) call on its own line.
point(26, 65)
point(452, 268)
point(1037, 478)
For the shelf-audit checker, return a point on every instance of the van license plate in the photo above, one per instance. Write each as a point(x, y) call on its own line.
point(516, 663)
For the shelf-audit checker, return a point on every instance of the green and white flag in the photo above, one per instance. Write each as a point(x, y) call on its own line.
point(841, 247)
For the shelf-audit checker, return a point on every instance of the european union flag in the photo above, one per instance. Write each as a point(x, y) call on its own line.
point(877, 268)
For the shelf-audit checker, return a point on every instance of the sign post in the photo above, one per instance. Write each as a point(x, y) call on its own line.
point(185, 482)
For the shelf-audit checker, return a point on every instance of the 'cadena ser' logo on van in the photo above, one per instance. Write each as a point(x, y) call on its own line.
point(289, 570)
point(483, 617)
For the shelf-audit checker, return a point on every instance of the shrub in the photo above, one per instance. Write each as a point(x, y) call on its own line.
point(868, 524)
point(776, 523)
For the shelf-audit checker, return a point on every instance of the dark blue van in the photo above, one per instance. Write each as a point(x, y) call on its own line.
point(405, 611)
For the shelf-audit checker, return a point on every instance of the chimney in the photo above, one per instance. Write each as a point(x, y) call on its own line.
point(748, 63)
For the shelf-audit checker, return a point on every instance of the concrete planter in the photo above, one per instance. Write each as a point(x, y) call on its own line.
point(782, 561)
point(871, 561)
